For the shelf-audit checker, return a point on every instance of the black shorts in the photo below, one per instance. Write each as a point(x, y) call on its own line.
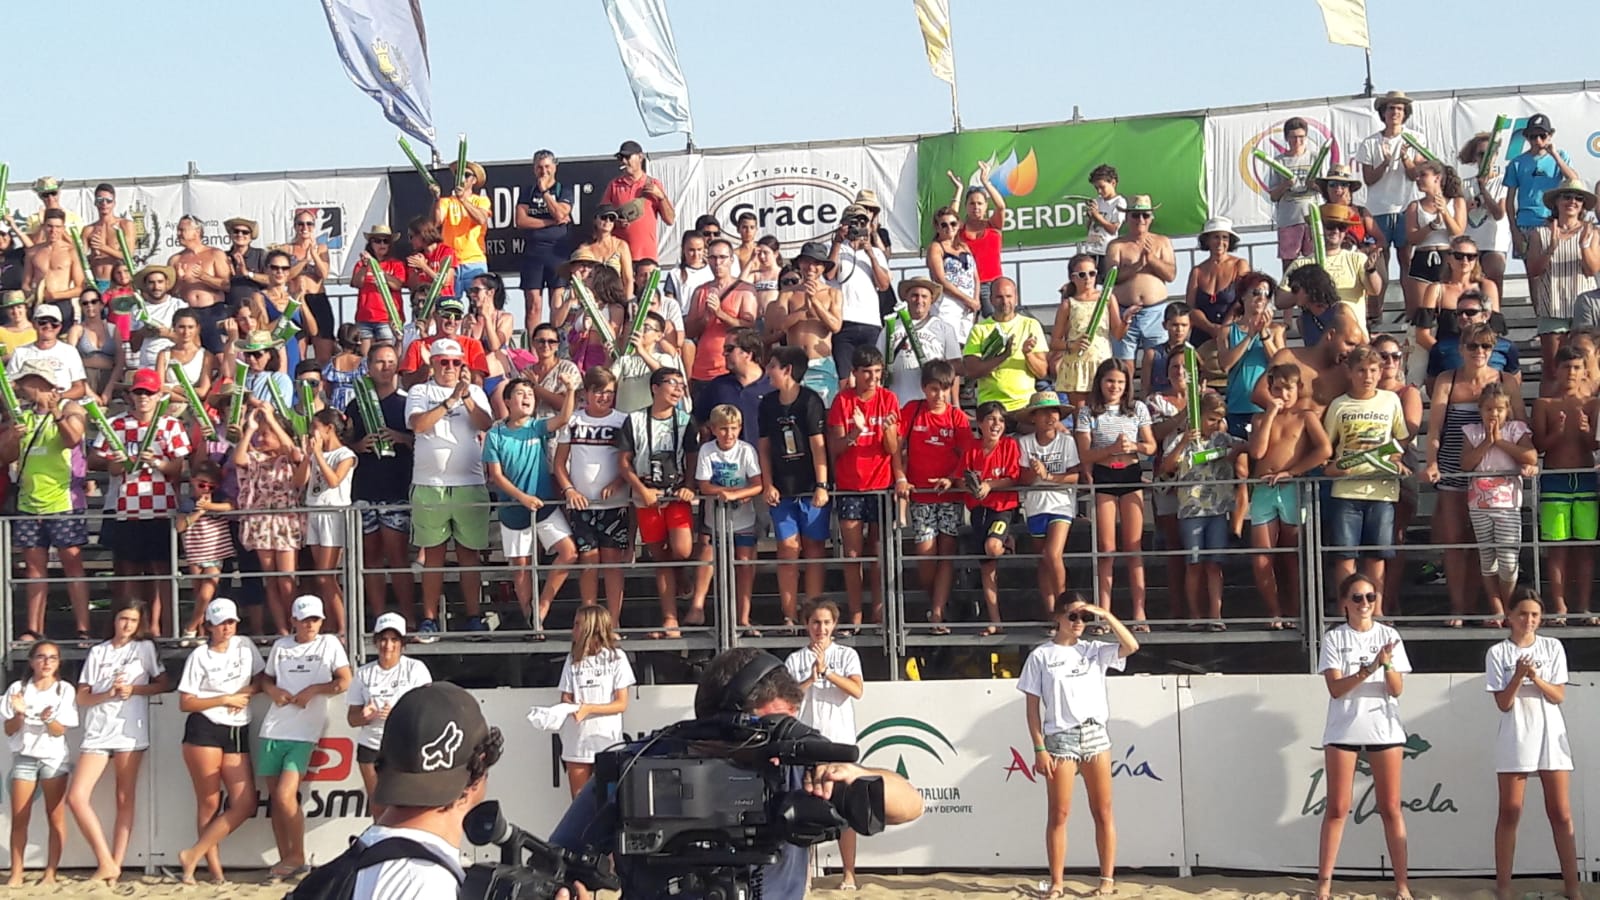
point(138, 540)
point(366, 756)
point(541, 268)
point(1364, 748)
point(1427, 265)
point(866, 508)
point(600, 529)
point(1116, 482)
point(322, 311)
point(990, 523)
point(199, 731)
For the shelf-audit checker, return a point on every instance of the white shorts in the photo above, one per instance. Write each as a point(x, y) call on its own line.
point(518, 543)
point(580, 741)
point(324, 529)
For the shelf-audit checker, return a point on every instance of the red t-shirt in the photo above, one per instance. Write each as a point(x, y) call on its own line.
point(469, 346)
point(436, 258)
point(935, 443)
point(985, 252)
point(642, 233)
point(1001, 462)
point(864, 466)
point(369, 302)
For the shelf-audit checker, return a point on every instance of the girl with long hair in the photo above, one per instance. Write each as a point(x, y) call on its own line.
point(1113, 431)
point(272, 476)
point(330, 465)
point(38, 711)
point(596, 676)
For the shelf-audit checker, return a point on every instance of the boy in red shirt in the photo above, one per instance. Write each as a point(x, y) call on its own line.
point(864, 440)
point(991, 467)
point(937, 433)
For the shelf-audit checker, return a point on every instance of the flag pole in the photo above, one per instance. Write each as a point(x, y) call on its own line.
point(955, 96)
point(1368, 86)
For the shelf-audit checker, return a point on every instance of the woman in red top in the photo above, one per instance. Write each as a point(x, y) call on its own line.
point(864, 440)
point(427, 259)
point(981, 230)
point(991, 468)
point(372, 317)
point(936, 435)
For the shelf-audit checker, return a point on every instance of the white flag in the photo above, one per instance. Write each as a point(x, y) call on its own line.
point(934, 17)
point(1346, 21)
point(385, 52)
point(650, 57)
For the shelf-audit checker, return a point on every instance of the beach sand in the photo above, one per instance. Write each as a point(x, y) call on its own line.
point(252, 885)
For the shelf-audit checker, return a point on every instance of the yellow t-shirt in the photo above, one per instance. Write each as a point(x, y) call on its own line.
point(1348, 270)
point(1012, 383)
point(464, 236)
point(11, 340)
point(1357, 425)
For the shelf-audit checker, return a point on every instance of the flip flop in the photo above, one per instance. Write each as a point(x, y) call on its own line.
point(939, 629)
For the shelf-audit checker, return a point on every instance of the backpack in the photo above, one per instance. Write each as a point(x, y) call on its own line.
point(337, 879)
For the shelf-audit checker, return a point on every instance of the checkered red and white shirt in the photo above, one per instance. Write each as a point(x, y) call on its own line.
point(146, 493)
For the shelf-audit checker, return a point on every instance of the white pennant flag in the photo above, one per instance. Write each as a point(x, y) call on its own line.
point(1346, 21)
point(934, 17)
point(650, 57)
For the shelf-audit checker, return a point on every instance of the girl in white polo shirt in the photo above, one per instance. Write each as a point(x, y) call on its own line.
point(114, 701)
point(378, 685)
point(596, 676)
point(831, 675)
point(1527, 674)
point(1364, 663)
point(1065, 680)
point(38, 712)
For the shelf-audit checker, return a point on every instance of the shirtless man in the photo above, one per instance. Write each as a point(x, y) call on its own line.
point(203, 278)
point(1321, 365)
point(310, 269)
point(808, 316)
point(1287, 441)
point(100, 236)
point(1563, 429)
point(53, 271)
point(1145, 267)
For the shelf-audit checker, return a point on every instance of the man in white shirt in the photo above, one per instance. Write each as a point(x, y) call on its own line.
point(154, 335)
point(860, 271)
point(935, 337)
point(448, 415)
point(65, 365)
point(1389, 170)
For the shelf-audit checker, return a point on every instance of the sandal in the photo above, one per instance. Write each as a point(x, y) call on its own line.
point(992, 630)
point(1140, 626)
point(1216, 625)
point(939, 630)
point(1107, 888)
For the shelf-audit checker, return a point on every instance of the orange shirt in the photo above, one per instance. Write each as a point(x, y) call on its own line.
point(462, 235)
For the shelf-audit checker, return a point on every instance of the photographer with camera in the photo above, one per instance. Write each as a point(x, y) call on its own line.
point(745, 704)
point(859, 269)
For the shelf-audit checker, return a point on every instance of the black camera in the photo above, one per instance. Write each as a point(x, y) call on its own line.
point(857, 227)
point(529, 868)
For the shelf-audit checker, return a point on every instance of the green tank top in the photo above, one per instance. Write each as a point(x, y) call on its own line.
point(45, 470)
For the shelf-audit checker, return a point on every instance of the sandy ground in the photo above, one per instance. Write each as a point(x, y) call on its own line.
point(937, 886)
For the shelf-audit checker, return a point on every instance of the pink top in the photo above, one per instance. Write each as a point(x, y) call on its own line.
point(1495, 491)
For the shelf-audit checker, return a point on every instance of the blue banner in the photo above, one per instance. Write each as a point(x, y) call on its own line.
point(385, 52)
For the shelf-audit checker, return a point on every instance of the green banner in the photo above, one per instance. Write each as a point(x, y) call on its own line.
point(1043, 174)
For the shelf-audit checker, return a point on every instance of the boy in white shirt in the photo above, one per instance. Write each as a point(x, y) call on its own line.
point(730, 471)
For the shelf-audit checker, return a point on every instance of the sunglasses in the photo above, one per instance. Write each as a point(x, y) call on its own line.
point(1090, 273)
point(203, 485)
point(1261, 292)
point(46, 323)
point(951, 224)
point(609, 217)
point(1574, 197)
point(372, 240)
point(243, 231)
point(1369, 597)
point(1484, 347)
point(255, 353)
point(1468, 312)
point(480, 290)
point(547, 342)
point(142, 393)
point(858, 220)
point(1142, 215)
point(450, 316)
point(1079, 617)
point(104, 201)
point(304, 224)
point(279, 268)
point(88, 301)
point(1392, 356)
point(311, 381)
point(789, 283)
point(1333, 226)
point(1463, 257)
point(711, 232)
point(447, 363)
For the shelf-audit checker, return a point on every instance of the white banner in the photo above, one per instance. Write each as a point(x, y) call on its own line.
point(346, 207)
point(797, 195)
point(1236, 182)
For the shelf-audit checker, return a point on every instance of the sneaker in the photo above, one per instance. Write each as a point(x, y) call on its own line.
point(427, 631)
point(476, 623)
point(1430, 574)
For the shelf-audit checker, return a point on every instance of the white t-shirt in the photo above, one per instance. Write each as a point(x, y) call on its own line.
point(1368, 714)
point(383, 688)
point(938, 340)
point(1393, 191)
point(119, 724)
point(679, 283)
point(1112, 209)
point(319, 493)
point(409, 879)
point(160, 314)
point(61, 357)
point(34, 738)
point(296, 667)
point(1533, 732)
point(826, 707)
point(735, 467)
point(594, 680)
point(451, 453)
point(1070, 682)
point(208, 673)
point(853, 278)
point(593, 460)
point(1059, 456)
point(1490, 234)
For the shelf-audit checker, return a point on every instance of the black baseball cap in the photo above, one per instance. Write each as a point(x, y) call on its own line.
point(629, 148)
point(1538, 123)
point(428, 741)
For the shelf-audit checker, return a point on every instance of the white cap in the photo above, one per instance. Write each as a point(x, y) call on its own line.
point(390, 622)
point(445, 348)
point(221, 610)
point(306, 607)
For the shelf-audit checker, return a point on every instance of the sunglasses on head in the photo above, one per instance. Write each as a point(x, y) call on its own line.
point(1368, 597)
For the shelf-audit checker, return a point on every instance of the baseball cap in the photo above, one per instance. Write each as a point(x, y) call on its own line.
point(629, 148)
point(390, 622)
point(428, 743)
point(1538, 123)
point(451, 305)
point(221, 610)
point(46, 311)
point(146, 380)
point(444, 348)
point(306, 607)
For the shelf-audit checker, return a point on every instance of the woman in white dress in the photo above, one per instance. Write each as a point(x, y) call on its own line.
point(831, 675)
point(38, 711)
point(596, 676)
point(376, 688)
point(1527, 674)
point(1065, 681)
point(1364, 663)
point(114, 702)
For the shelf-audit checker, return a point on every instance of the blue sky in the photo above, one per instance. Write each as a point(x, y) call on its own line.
point(258, 87)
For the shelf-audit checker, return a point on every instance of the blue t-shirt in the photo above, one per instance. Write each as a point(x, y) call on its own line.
point(257, 384)
point(539, 241)
point(726, 388)
point(1245, 373)
point(1446, 356)
point(520, 454)
point(1529, 177)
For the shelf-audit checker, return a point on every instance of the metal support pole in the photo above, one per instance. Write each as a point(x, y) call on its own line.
point(355, 587)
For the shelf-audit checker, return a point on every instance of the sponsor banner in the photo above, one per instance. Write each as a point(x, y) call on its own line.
point(346, 206)
point(1043, 174)
point(409, 197)
point(1236, 182)
point(1271, 728)
point(796, 195)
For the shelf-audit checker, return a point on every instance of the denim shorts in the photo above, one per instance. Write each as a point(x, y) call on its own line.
point(1080, 743)
point(1368, 523)
point(796, 516)
point(377, 332)
point(31, 768)
point(1200, 533)
point(1393, 226)
point(1146, 331)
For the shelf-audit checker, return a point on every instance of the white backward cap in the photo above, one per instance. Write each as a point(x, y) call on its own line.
point(221, 610)
point(306, 607)
point(390, 622)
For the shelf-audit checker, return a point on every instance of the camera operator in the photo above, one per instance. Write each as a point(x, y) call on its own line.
point(590, 822)
point(860, 271)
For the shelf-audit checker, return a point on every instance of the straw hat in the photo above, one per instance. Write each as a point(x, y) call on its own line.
point(1339, 214)
point(255, 342)
point(242, 222)
point(580, 255)
point(1568, 187)
point(476, 171)
point(380, 231)
point(1339, 174)
point(919, 282)
point(144, 274)
point(869, 198)
point(1044, 400)
point(1391, 98)
point(1141, 203)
